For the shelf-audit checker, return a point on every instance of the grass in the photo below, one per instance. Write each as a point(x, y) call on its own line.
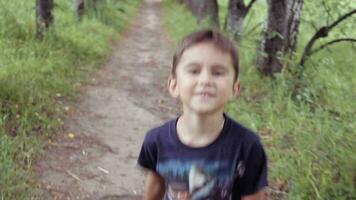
point(310, 141)
point(37, 78)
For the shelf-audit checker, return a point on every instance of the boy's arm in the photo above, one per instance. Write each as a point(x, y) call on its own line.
point(154, 188)
point(260, 195)
point(254, 179)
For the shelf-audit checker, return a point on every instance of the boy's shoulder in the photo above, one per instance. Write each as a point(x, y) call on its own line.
point(159, 131)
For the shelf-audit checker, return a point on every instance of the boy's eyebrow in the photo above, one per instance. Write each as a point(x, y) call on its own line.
point(197, 64)
point(192, 64)
point(219, 66)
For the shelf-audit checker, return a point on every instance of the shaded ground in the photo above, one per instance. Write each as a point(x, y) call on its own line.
point(95, 157)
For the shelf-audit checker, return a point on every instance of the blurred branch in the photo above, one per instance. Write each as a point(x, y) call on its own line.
point(248, 7)
point(345, 16)
point(322, 33)
point(332, 42)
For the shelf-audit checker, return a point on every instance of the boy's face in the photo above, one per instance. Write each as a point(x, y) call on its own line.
point(204, 79)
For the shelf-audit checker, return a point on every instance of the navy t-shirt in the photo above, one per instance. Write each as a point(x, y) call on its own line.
point(232, 166)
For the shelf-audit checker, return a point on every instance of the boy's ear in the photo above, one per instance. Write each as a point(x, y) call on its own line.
point(173, 87)
point(236, 90)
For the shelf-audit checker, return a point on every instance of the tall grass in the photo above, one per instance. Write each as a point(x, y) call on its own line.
point(38, 77)
point(310, 140)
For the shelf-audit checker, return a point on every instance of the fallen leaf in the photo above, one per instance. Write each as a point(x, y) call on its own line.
point(71, 135)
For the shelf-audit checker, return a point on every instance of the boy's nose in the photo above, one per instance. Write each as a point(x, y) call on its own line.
point(205, 78)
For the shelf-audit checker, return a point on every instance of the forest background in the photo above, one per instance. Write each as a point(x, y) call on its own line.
point(303, 111)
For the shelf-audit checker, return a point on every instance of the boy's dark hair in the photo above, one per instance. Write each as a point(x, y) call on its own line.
point(207, 35)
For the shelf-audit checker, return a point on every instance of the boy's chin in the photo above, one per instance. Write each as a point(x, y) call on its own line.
point(205, 110)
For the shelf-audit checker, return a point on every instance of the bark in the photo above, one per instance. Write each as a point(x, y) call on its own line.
point(280, 34)
point(78, 6)
point(204, 9)
point(237, 10)
point(44, 17)
point(294, 10)
point(272, 41)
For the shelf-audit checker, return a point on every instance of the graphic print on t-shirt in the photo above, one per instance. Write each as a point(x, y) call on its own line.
point(196, 180)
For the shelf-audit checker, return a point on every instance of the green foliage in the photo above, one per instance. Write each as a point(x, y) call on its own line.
point(179, 16)
point(115, 12)
point(38, 77)
point(310, 139)
point(14, 167)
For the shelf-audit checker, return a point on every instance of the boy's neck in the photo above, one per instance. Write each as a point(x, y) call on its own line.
point(199, 130)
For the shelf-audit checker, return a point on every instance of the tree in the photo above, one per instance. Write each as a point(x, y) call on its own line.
point(204, 9)
point(280, 34)
point(78, 6)
point(237, 10)
point(322, 33)
point(44, 17)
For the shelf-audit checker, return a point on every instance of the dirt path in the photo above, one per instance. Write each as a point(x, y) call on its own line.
point(95, 157)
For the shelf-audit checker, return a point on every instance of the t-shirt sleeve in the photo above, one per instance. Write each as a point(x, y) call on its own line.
point(255, 172)
point(148, 154)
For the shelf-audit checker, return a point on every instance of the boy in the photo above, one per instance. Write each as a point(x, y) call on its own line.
point(203, 154)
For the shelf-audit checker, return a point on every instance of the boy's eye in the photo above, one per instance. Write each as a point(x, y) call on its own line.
point(194, 71)
point(218, 73)
point(218, 70)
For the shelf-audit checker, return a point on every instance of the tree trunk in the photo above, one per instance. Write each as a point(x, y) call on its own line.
point(280, 34)
point(294, 10)
point(44, 16)
point(78, 6)
point(204, 9)
point(237, 10)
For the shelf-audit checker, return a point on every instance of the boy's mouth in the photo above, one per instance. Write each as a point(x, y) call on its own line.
point(205, 94)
